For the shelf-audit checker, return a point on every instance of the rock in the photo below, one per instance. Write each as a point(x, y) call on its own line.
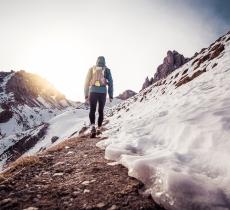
point(113, 207)
point(70, 153)
point(31, 208)
point(126, 94)
point(101, 204)
point(75, 194)
point(85, 183)
point(35, 200)
point(147, 83)
point(58, 174)
point(113, 163)
point(3, 187)
point(8, 203)
point(54, 138)
point(58, 163)
point(5, 116)
point(171, 62)
point(86, 191)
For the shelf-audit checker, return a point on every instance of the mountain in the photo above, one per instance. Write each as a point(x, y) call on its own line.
point(126, 94)
point(174, 135)
point(171, 62)
point(27, 103)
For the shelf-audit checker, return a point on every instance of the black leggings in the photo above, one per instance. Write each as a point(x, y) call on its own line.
point(93, 99)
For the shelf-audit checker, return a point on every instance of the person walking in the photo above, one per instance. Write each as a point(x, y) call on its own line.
point(98, 77)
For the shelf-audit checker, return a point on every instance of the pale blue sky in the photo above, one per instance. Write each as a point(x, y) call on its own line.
point(61, 39)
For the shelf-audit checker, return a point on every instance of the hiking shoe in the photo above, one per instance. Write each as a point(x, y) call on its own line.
point(93, 132)
point(98, 132)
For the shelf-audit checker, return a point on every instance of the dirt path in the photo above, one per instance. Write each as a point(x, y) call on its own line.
point(72, 175)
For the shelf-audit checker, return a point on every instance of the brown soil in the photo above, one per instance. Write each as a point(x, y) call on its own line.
point(72, 175)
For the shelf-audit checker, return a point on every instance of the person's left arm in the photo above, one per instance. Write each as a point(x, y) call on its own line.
point(110, 83)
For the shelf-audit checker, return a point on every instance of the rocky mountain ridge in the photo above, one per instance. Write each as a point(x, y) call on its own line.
point(171, 62)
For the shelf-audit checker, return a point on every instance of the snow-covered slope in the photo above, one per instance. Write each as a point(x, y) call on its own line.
point(61, 127)
point(175, 135)
point(27, 100)
point(27, 103)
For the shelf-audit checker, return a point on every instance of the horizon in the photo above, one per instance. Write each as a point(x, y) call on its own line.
point(61, 40)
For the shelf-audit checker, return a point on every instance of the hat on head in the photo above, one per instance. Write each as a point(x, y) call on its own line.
point(100, 61)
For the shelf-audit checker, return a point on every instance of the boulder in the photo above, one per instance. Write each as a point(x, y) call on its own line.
point(126, 94)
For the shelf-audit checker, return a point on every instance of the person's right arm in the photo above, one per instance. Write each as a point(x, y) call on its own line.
point(87, 83)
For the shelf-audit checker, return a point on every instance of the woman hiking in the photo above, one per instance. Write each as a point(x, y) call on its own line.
point(98, 77)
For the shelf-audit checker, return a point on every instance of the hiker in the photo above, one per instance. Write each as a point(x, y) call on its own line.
point(98, 77)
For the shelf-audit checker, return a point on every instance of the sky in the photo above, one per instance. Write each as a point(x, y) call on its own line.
point(61, 39)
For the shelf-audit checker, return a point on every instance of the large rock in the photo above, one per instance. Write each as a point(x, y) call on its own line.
point(147, 83)
point(126, 94)
point(171, 62)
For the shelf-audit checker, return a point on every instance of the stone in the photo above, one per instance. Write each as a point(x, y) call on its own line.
point(126, 94)
point(31, 208)
point(85, 183)
point(58, 174)
point(70, 153)
point(54, 138)
point(113, 207)
point(58, 163)
point(8, 203)
point(86, 191)
point(100, 205)
point(75, 194)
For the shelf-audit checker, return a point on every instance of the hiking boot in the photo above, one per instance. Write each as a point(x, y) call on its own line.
point(93, 131)
point(98, 132)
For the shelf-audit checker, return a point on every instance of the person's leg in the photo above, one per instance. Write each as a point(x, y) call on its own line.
point(93, 106)
point(101, 100)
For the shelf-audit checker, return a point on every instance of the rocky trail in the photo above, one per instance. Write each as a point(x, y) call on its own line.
point(71, 175)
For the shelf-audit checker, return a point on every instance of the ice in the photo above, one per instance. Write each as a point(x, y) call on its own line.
point(178, 142)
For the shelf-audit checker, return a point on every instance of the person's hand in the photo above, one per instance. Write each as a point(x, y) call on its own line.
point(87, 100)
point(110, 99)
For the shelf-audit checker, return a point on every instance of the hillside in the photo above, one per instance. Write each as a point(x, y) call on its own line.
point(174, 135)
point(27, 104)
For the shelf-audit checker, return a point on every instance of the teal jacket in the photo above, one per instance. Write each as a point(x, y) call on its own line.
point(102, 89)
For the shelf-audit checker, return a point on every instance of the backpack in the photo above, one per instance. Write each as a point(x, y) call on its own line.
point(98, 77)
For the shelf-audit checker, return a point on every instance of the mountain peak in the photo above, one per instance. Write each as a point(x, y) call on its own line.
point(171, 62)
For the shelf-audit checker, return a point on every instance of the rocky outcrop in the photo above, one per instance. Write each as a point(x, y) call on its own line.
point(147, 83)
point(171, 62)
point(126, 94)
